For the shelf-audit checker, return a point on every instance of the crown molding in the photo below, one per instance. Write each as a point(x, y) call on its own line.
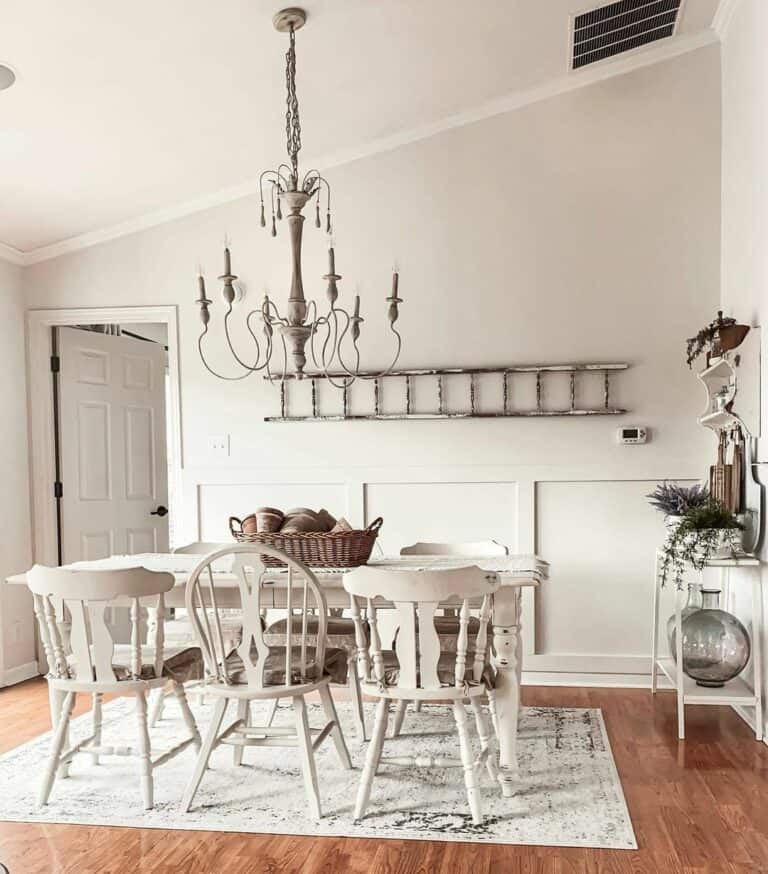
point(14, 256)
point(644, 56)
point(723, 16)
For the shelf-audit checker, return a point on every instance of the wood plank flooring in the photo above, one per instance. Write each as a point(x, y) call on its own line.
point(698, 807)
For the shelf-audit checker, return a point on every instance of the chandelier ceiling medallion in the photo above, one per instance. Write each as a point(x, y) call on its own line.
point(301, 323)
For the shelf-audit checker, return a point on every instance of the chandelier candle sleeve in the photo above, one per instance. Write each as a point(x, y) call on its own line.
point(333, 351)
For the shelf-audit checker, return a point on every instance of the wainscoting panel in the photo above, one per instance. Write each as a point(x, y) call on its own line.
point(591, 619)
point(599, 538)
point(443, 511)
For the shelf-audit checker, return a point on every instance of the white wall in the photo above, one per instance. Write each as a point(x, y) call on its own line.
point(581, 228)
point(745, 192)
point(17, 655)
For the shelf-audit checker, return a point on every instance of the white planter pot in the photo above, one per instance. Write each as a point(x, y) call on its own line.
point(728, 542)
point(672, 522)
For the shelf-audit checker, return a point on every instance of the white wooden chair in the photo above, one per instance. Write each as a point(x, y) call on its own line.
point(448, 625)
point(258, 672)
point(469, 548)
point(419, 671)
point(178, 631)
point(96, 665)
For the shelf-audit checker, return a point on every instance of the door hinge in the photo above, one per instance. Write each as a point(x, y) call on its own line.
point(58, 490)
point(55, 363)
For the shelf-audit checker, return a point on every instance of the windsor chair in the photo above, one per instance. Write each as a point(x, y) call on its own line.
point(96, 665)
point(256, 671)
point(448, 625)
point(419, 671)
point(179, 631)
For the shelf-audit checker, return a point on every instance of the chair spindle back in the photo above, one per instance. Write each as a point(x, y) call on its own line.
point(416, 596)
point(297, 590)
point(84, 596)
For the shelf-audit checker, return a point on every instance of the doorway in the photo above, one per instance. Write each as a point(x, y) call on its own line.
point(109, 400)
point(104, 431)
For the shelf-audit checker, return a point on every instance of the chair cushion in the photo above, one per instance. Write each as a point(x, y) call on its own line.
point(446, 671)
point(447, 628)
point(340, 632)
point(335, 666)
point(183, 663)
point(179, 629)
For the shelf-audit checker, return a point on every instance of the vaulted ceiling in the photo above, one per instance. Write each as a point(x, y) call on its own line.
point(128, 110)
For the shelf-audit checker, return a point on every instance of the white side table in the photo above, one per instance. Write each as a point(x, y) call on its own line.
point(736, 691)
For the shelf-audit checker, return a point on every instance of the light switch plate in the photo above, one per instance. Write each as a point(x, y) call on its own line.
point(219, 445)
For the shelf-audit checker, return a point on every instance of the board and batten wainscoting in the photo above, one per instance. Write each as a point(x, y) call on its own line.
point(589, 624)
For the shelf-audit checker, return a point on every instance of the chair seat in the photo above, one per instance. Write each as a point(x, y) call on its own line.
point(182, 664)
point(179, 629)
point(447, 628)
point(340, 632)
point(446, 671)
point(335, 666)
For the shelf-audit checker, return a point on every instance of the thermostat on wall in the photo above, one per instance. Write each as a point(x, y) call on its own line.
point(633, 434)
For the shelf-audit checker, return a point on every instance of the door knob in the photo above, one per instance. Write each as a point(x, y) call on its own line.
point(160, 511)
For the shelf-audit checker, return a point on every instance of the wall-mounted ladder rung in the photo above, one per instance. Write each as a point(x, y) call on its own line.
point(466, 393)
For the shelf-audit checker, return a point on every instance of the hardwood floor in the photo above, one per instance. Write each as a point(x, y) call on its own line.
point(698, 807)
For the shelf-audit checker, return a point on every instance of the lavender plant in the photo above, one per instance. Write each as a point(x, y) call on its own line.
point(674, 500)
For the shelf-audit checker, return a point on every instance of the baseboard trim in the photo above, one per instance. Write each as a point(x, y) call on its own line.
point(591, 680)
point(18, 674)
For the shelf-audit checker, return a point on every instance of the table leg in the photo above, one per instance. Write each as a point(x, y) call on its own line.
point(506, 648)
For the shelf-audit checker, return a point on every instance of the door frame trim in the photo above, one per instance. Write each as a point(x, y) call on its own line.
point(40, 410)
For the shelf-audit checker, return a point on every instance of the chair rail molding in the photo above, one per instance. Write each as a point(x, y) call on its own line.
point(41, 443)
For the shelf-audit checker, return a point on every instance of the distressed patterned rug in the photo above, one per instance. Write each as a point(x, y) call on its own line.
point(569, 792)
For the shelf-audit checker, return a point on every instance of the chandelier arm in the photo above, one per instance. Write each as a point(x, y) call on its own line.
point(283, 178)
point(352, 373)
point(208, 366)
point(270, 376)
point(255, 367)
point(319, 323)
point(277, 317)
point(356, 373)
point(328, 362)
point(321, 180)
point(346, 382)
point(278, 177)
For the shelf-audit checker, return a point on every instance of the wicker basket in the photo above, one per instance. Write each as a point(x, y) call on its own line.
point(315, 549)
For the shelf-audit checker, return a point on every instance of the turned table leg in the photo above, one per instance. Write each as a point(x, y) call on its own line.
point(506, 649)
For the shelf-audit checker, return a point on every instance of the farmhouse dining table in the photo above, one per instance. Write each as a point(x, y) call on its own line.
point(515, 573)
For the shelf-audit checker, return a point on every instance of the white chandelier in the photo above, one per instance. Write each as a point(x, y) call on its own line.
point(332, 337)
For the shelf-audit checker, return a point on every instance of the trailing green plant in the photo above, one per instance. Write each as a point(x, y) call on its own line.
point(696, 539)
point(705, 337)
point(674, 500)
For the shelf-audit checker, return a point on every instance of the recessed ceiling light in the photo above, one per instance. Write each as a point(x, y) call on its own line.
point(7, 77)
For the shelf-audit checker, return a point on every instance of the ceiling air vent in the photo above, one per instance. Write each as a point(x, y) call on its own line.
point(616, 28)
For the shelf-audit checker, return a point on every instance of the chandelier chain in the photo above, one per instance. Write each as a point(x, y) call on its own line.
point(292, 123)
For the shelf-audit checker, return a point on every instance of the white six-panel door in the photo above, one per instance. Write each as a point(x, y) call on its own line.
point(113, 448)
